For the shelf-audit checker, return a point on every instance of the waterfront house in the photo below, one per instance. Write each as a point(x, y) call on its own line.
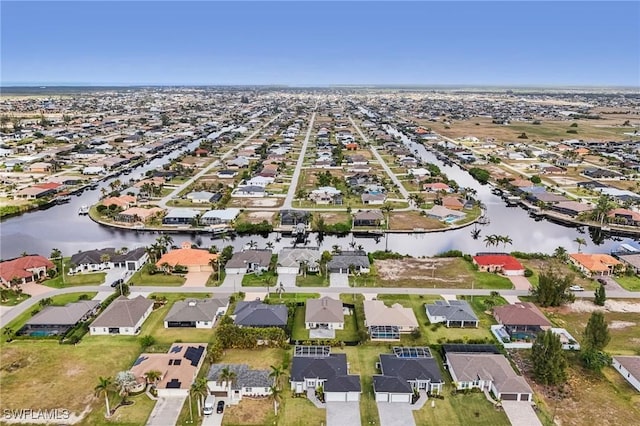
point(196, 313)
point(294, 217)
point(24, 269)
point(181, 216)
point(216, 217)
point(324, 313)
point(624, 217)
point(452, 313)
point(34, 193)
point(123, 316)
point(436, 187)
point(444, 214)
point(195, 260)
point(594, 264)
point(316, 367)
point(503, 263)
point(137, 214)
point(294, 260)
point(249, 261)
point(247, 382)
point(258, 314)
point(629, 369)
point(123, 201)
point(342, 262)
point(368, 218)
point(571, 208)
point(452, 203)
point(387, 323)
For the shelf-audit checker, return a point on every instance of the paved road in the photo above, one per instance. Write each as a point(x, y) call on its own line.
point(383, 163)
point(163, 202)
point(296, 173)
point(9, 315)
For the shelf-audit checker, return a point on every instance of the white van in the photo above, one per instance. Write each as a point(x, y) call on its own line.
point(209, 404)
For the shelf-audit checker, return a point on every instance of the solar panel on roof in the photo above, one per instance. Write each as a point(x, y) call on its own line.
point(312, 351)
point(175, 349)
point(140, 360)
point(412, 352)
point(174, 384)
point(194, 354)
point(177, 361)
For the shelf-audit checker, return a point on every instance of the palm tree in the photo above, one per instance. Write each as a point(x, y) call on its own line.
point(199, 389)
point(227, 376)
point(490, 240)
point(475, 233)
point(560, 253)
point(104, 386)
point(153, 376)
point(215, 265)
point(581, 242)
point(280, 290)
point(252, 245)
point(56, 255)
point(269, 245)
point(268, 281)
point(276, 373)
point(505, 239)
point(276, 395)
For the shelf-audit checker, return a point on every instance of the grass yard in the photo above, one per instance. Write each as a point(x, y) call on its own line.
point(541, 265)
point(293, 297)
point(93, 278)
point(624, 328)
point(299, 332)
point(312, 280)
point(154, 325)
point(261, 358)
point(411, 220)
point(254, 280)
point(249, 412)
point(133, 415)
point(299, 412)
point(142, 277)
point(27, 372)
point(471, 409)
point(11, 298)
point(631, 283)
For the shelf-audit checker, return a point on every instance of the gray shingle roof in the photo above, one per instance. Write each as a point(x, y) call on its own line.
point(346, 258)
point(259, 257)
point(332, 368)
point(453, 310)
point(123, 312)
point(195, 309)
point(245, 376)
point(324, 309)
point(258, 314)
point(91, 257)
point(291, 257)
point(470, 367)
point(411, 368)
point(391, 384)
point(69, 314)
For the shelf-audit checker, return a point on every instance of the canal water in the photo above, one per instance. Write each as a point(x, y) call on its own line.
point(61, 227)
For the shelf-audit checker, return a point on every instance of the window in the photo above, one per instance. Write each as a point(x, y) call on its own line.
point(248, 390)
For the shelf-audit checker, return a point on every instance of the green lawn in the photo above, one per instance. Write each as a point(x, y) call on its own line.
point(93, 278)
point(142, 277)
point(631, 283)
point(299, 412)
point(133, 415)
point(154, 325)
point(12, 298)
point(253, 280)
point(471, 409)
point(293, 297)
point(299, 332)
point(312, 280)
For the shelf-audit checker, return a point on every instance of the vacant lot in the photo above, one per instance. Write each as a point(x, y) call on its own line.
point(249, 412)
point(459, 409)
point(451, 272)
point(411, 220)
point(541, 265)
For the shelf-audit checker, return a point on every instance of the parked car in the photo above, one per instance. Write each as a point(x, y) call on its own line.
point(220, 407)
point(208, 405)
point(576, 288)
point(602, 281)
point(117, 282)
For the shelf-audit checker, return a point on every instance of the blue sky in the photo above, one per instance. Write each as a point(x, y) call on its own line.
point(321, 43)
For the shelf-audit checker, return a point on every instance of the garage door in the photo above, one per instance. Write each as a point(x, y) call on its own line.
point(524, 397)
point(353, 396)
point(509, 396)
point(399, 398)
point(382, 397)
point(335, 396)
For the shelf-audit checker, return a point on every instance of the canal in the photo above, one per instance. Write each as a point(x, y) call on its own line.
point(61, 226)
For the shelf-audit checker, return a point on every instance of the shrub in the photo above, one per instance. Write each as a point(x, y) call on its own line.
point(528, 272)
point(147, 340)
point(450, 253)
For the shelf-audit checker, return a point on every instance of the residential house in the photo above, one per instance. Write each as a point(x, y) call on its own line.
point(521, 318)
point(227, 174)
point(624, 217)
point(178, 369)
point(34, 193)
point(249, 261)
point(487, 371)
point(201, 197)
point(123, 316)
point(453, 313)
point(259, 181)
point(503, 263)
point(137, 214)
point(407, 370)
point(196, 313)
point(217, 217)
point(571, 208)
point(239, 162)
point(315, 367)
point(100, 259)
point(294, 217)
point(195, 260)
point(258, 314)
point(373, 198)
point(629, 368)
point(452, 203)
point(596, 173)
point(249, 191)
point(387, 323)
point(123, 201)
point(181, 216)
point(368, 218)
point(436, 187)
point(247, 382)
point(594, 264)
point(326, 195)
point(24, 269)
point(296, 260)
point(444, 214)
point(343, 262)
point(357, 160)
point(324, 313)
point(57, 320)
point(630, 261)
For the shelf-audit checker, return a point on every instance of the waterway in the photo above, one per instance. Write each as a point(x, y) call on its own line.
point(61, 227)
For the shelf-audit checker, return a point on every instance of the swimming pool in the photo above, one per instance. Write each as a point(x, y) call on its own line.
point(42, 333)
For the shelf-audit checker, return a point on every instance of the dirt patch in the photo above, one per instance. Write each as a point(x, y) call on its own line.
point(621, 324)
point(415, 269)
point(333, 218)
point(413, 220)
point(249, 412)
point(609, 306)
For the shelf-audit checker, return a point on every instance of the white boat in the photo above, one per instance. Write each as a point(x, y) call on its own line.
point(84, 210)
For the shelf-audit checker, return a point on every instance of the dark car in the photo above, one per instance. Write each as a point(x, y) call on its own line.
point(602, 281)
point(220, 407)
point(117, 282)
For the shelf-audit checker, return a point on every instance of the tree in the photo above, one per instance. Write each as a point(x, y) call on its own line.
point(596, 333)
point(105, 258)
point(214, 352)
point(560, 253)
point(104, 387)
point(276, 395)
point(56, 254)
point(199, 389)
point(490, 240)
point(152, 376)
point(547, 356)
point(581, 242)
point(600, 296)
point(276, 374)
point(227, 376)
point(147, 340)
point(125, 381)
point(504, 239)
point(553, 289)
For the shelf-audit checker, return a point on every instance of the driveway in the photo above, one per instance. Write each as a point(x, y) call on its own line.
point(287, 280)
point(166, 411)
point(115, 274)
point(343, 414)
point(215, 419)
point(232, 282)
point(395, 414)
point(520, 413)
point(339, 280)
point(196, 279)
point(519, 282)
point(35, 289)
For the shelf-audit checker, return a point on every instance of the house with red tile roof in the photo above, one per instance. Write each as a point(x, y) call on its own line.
point(26, 269)
point(625, 216)
point(503, 263)
point(124, 201)
point(436, 186)
point(452, 203)
point(594, 264)
point(196, 260)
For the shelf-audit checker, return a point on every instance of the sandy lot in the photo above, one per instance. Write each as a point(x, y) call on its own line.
point(415, 269)
point(609, 306)
point(258, 217)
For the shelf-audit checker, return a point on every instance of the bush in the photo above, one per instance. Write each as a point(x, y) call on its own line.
point(450, 253)
point(528, 272)
point(147, 340)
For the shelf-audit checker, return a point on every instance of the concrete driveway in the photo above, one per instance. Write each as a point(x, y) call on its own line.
point(287, 280)
point(395, 414)
point(166, 411)
point(339, 280)
point(520, 413)
point(215, 419)
point(232, 282)
point(519, 282)
point(35, 289)
point(343, 414)
point(115, 274)
point(196, 279)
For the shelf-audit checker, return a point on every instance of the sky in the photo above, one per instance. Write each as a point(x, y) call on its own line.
point(320, 43)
